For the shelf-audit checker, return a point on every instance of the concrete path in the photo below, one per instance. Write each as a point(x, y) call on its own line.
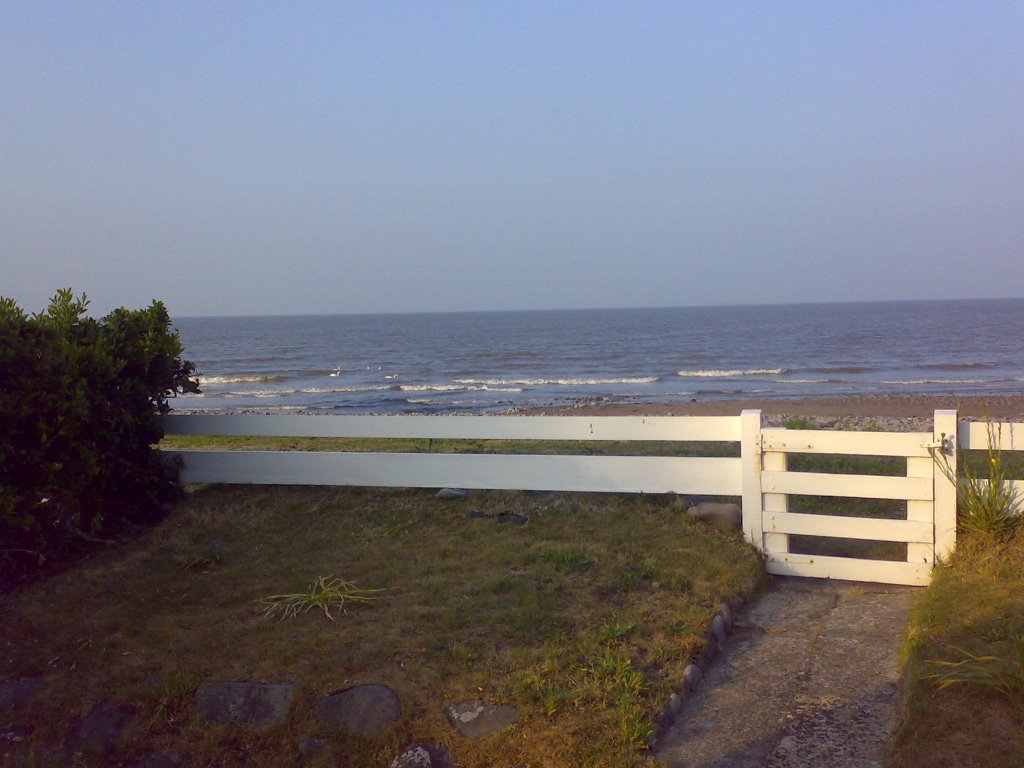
point(809, 678)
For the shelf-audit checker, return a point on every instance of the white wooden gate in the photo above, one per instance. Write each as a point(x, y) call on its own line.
point(929, 528)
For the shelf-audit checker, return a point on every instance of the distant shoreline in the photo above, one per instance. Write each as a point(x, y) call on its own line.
point(859, 407)
point(895, 412)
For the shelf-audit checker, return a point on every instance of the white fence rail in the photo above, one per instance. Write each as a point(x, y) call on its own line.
point(622, 474)
point(760, 475)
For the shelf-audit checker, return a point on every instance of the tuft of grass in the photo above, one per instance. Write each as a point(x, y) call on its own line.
point(615, 628)
point(170, 696)
point(325, 593)
point(1002, 674)
point(571, 558)
point(208, 559)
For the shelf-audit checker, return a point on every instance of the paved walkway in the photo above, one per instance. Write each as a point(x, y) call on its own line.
point(809, 678)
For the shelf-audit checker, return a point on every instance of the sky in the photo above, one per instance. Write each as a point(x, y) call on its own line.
point(358, 157)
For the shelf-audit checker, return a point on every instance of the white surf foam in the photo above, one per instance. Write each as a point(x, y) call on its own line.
point(730, 373)
point(559, 382)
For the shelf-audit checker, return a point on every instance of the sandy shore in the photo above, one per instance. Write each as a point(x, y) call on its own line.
point(894, 410)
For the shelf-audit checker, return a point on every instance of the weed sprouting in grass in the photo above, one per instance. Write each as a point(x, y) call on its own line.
point(615, 629)
point(171, 694)
point(1005, 675)
point(326, 592)
point(208, 559)
point(985, 504)
point(567, 558)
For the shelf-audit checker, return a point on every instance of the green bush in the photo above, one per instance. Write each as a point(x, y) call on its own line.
point(80, 407)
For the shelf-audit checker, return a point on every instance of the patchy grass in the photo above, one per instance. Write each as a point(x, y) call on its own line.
point(973, 607)
point(584, 618)
point(425, 445)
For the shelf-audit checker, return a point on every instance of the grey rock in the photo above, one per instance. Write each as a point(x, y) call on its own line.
point(364, 709)
point(476, 719)
point(452, 494)
point(311, 745)
point(726, 516)
point(718, 628)
point(726, 613)
point(165, 759)
point(257, 705)
point(709, 653)
point(675, 704)
point(423, 756)
point(512, 518)
point(476, 514)
point(692, 677)
point(16, 694)
point(664, 719)
point(99, 731)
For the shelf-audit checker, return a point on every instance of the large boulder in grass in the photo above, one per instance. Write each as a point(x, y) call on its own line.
point(423, 756)
point(477, 719)
point(452, 494)
point(256, 705)
point(98, 731)
point(363, 709)
point(728, 517)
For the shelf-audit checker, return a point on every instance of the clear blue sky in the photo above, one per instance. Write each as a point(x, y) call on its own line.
point(251, 158)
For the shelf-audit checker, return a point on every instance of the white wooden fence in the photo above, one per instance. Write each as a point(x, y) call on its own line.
point(759, 475)
point(623, 474)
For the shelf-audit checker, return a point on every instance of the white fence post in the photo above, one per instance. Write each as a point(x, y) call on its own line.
point(775, 543)
point(946, 432)
point(750, 456)
point(919, 510)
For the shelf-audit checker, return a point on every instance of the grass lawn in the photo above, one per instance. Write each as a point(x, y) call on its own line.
point(975, 604)
point(584, 618)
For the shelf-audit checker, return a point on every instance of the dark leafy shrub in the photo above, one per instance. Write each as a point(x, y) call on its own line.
point(80, 407)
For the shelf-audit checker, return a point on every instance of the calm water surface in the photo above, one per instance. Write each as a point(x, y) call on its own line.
point(490, 362)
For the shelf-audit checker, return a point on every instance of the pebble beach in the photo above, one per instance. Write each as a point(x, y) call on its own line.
point(891, 413)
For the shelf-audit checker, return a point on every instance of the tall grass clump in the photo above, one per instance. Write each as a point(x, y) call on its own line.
point(987, 501)
point(1002, 674)
point(325, 593)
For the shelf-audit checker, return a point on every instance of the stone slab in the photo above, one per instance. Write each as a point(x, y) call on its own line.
point(363, 709)
point(257, 705)
point(809, 678)
point(477, 719)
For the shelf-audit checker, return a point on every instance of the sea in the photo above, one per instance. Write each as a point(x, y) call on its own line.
point(496, 362)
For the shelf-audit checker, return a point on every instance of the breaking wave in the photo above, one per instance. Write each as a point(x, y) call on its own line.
point(559, 382)
point(731, 373)
point(460, 387)
point(242, 379)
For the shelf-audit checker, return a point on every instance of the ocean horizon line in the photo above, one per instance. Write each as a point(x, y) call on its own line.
point(563, 310)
